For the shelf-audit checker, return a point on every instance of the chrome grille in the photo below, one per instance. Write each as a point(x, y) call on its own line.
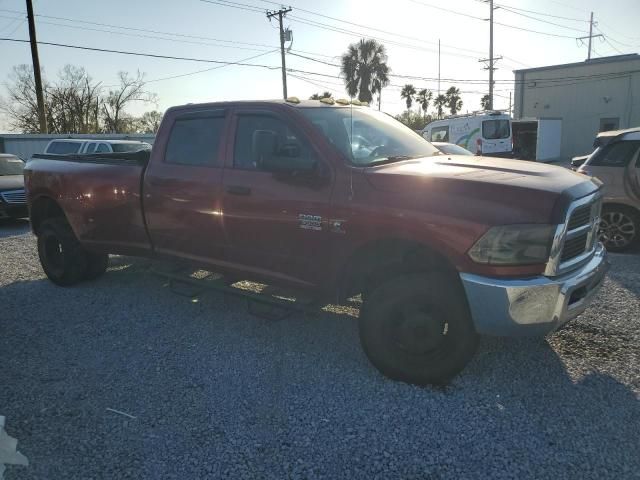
point(14, 197)
point(575, 239)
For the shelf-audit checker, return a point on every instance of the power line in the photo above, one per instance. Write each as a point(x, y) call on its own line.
point(144, 30)
point(295, 70)
point(616, 41)
point(209, 69)
point(483, 19)
point(140, 54)
point(541, 13)
point(368, 27)
point(507, 9)
point(345, 31)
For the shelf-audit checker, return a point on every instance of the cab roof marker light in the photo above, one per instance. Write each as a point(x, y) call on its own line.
point(292, 100)
point(327, 100)
point(342, 101)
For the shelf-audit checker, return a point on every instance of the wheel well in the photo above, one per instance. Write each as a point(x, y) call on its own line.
point(379, 260)
point(43, 209)
point(622, 206)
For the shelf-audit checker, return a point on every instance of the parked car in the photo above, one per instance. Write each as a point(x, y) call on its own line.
point(616, 164)
point(601, 140)
point(13, 201)
point(273, 191)
point(451, 149)
point(484, 133)
point(70, 146)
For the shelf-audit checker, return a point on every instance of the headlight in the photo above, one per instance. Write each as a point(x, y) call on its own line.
point(514, 245)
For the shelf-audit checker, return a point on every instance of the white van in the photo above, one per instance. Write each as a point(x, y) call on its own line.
point(484, 133)
point(70, 146)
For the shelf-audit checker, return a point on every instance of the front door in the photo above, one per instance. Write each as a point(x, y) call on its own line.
point(183, 185)
point(275, 219)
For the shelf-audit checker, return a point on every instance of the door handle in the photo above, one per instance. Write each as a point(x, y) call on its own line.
point(238, 190)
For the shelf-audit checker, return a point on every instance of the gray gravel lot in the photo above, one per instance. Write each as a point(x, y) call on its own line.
point(217, 392)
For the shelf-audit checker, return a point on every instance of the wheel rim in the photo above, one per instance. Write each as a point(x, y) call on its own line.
point(54, 253)
point(418, 329)
point(616, 230)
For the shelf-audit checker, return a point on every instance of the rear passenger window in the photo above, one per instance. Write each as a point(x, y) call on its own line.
point(195, 141)
point(91, 148)
point(102, 148)
point(440, 134)
point(617, 154)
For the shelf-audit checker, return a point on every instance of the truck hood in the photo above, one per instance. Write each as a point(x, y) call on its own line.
point(524, 191)
point(11, 182)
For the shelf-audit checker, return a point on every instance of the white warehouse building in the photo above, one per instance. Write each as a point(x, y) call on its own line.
point(585, 98)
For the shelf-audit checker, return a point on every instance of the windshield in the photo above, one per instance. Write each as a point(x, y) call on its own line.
point(11, 166)
point(129, 147)
point(451, 149)
point(368, 137)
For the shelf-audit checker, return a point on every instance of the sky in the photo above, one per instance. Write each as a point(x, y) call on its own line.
point(236, 31)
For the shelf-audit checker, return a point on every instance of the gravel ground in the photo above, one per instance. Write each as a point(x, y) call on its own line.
point(217, 392)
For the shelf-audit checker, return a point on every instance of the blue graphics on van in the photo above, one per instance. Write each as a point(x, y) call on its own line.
point(463, 141)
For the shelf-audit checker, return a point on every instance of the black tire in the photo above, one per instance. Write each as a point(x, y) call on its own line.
point(63, 259)
point(619, 227)
point(97, 264)
point(416, 328)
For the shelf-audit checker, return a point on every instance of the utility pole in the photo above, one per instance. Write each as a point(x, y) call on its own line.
point(438, 67)
point(281, 14)
point(591, 35)
point(36, 68)
point(491, 61)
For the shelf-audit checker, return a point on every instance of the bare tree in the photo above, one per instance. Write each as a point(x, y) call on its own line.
point(20, 106)
point(74, 101)
point(131, 89)
point(149, 122)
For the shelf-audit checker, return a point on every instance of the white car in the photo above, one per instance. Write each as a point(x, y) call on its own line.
point(72, 146)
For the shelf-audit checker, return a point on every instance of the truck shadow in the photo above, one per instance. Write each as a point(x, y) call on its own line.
point(209, 369)
point(13, 227)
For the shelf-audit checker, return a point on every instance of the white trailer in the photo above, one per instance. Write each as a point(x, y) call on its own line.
point(538, 139)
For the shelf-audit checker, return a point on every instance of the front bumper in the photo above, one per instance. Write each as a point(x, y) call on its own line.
point(533, 306)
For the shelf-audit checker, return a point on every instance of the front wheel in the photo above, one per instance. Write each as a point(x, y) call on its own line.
point(618, 228)
point(416, 328)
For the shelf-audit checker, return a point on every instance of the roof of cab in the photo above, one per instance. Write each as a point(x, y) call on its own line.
point(289, 103)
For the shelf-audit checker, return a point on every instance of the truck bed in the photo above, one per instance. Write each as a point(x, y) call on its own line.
point(100, 195)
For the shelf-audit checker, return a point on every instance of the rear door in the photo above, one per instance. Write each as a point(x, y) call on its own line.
point(182, 186)
point(496, 136)
point(275, 222)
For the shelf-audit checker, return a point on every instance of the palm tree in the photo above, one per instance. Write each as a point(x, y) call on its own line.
point(365, 70)
point(424, 98)
point(484, 102)
point(407, 94)
point(454, 102)
point(318, 96)
point(440, 102)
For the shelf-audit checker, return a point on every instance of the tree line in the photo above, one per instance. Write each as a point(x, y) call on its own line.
point(365, 70)
point(75, 103)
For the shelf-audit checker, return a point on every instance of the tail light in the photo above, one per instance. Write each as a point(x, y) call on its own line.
point(479, 146)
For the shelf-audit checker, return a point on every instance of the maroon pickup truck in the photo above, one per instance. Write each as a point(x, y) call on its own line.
point(337, 200)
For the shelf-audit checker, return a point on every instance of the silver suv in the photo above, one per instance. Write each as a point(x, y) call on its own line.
point(617, 165)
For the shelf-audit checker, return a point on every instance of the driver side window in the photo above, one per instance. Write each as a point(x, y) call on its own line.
point(266, 143)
